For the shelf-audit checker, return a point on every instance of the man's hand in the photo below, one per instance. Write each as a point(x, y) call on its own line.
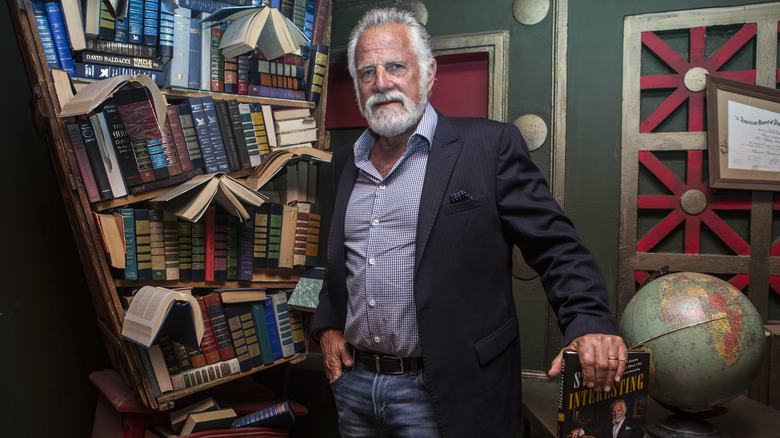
point(335, 352)
point(603, 359)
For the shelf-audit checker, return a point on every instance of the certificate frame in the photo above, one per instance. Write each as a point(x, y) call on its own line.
point(721, 91)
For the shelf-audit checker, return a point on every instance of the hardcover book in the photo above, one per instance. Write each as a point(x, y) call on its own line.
point(283, 325)
point(586, 412)
point(152, 307)
point(92, 148)
point(306, 294)
point(131, 263)
point(279, 416)
point(44, 31)
point(122, 144)
point(184, 232)
point(209, 344)
point(238, 337)
point(80, 152)
point(157, 244)
point(200, 421)
point(143, 244)
point(108, 155)
point(219, 325)
point(263, 334)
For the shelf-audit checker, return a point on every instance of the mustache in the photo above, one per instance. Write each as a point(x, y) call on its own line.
point(388, 96)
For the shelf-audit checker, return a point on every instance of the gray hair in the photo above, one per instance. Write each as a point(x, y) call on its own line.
point(418, 35)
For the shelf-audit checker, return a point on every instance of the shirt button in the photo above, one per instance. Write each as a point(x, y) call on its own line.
point(376, 339)
point(382, 186)
point(371, 261)
point(372, 303)
point(375, 222)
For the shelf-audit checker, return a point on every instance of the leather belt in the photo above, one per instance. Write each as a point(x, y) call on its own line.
point(385, 364)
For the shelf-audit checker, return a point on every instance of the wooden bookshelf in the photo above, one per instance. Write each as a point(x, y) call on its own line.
point(104, 287)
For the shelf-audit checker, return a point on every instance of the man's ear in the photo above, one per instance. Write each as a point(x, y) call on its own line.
point(432, 74)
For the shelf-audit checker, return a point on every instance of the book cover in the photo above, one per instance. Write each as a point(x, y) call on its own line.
point(184, 234)
point(205, 54)
point(120, 60)
point(131, 263)
point(584, 411)
point(170, 154)
point(171, 241)
point(119, 48)
point(154, 307)
point(135, 22)
point(306, 294)
point(242, 75)
point(250, 334)
point(278, 416)
point(296, 326)
point(175, 354)
point(82, 160)
point(160, 368)
point(263, 334)
point(237, 335)
point(59, 36)
point(231, 75)
point(157, 244)
point(273, 328)
point(122, 145)
point(143, 244)
point(208, 420)
point(283, 324)
point(313, 235)
point(237, 125)
point(44, 31)
point(209, 343)
point(217, 146)
point(108, 155)
point(228, 134)
point(178, 416)
point(184, 110)
point(91, 70)
point(219, 325)
point(74, 23)
point(121, 30)
point(94, 155)
point(140, 121)
point(106, 30)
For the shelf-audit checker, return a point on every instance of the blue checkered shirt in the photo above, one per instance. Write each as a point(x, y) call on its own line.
point(380, 230)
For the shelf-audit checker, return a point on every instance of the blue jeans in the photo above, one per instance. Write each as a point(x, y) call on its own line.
point(383, 405)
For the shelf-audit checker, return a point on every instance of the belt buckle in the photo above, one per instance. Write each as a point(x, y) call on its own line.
point(379, 368)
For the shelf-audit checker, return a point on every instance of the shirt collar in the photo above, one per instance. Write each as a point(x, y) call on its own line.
point(425, 129)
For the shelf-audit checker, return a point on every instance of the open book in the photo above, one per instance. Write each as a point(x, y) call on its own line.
point(94, 94)
point(265, 28)
point(154, 307)
point(191, 199)
point(276, 160)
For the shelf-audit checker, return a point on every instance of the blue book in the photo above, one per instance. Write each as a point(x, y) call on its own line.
point(135, 21)
point(177, 69)
point(263, 336)
point(165, 31)
point(250, 334)
point(232, 315)
point(121, 30)
point(60, 36)
point(204, 137)
point(279, 416)
point(143, 244)
point(131, 264)
point(42, 22)
point(193, 74)
point(246, 237)
point(209, 6)
point(98, 71)
point(216, 154)
point(273, 330)
point(151, 22)
point(157, 155)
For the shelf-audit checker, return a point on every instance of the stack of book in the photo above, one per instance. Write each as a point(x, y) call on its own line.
point(294, 127)
point(238, 335)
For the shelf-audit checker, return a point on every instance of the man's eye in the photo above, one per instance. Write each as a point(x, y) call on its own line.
point(366, 75)
point(395, 68)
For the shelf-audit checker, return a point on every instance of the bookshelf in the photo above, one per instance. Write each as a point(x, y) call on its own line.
point(104, 282)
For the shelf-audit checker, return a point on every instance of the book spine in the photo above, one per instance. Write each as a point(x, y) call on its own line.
point(165, 32)
point(275, 214)
point(60, 36)
point(242, 75)
point(122, 144)
point(148, 370)
point(211, 372)
point(318, 65)
point(220, 161)
point(204, 138)
point(176, 179)
point(209, 224)
point(261, 132)
point(179, 141)
point(157, 157)
point(217, 69)
point(320, 21)
point(209, 343)
point(131, 263)
point(157, 244)
point(120, 60)
point(44, 31)
point(219, 324)
point(193, 66)
point(313, 235)
point(108, 155)
point(283, 324)
point(135, 22)
point(177, 69)
point(198, 251)
point(190, 135)
point(260, 238)
point(231, 75)
point(106, 30)
point(250, 335)
point(89, 70)
point(228, 138)
point(298, 331)
point(209, 6)
point(151, 22)
point(245, 110)
point(121, 30)
point(143, 244)
point(119, 48)
point(82, 160)
point(263, 336)
point(232, 248)
point(246, 231)
point(95, 159)
point(301, 234)
point(184, 233)
point(273, 329)
point(205, 56)
point(171, 240)
point(170, 153)
point(237, 335)
point(269, 125)
point(237, 125)
point(220, 245)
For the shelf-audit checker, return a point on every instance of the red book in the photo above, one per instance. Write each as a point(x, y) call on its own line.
point(209, 344)
point(179, 141)
point(169, 149)
point(210, 221)
point(220, 326)
point(138, 116)
point(231, 75)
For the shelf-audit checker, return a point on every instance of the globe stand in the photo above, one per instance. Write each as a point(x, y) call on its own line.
point(684, 424)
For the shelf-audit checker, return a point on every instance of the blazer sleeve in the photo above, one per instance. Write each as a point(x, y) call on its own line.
point(534, 221)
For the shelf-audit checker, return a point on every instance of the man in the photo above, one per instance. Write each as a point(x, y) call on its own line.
point(620, 427)
point(417, 320)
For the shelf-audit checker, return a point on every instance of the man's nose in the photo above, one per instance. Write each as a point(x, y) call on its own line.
point(383, 80)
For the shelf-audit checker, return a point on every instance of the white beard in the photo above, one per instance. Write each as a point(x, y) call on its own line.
point(396, 120)
point(618, 419)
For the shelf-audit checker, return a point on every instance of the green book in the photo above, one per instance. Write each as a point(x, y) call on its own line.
point(131, 263)
point(263, 337)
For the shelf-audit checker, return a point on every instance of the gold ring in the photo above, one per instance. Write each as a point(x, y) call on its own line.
point(613, 358)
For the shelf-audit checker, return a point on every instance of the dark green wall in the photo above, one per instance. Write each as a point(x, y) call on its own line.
point(49, 341)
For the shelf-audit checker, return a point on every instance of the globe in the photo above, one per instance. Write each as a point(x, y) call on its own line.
point(706, 339)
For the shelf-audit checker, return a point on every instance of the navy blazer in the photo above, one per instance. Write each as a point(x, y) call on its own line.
point(463, 283)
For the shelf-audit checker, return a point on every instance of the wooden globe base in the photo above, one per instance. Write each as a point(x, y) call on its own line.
point(683, 426)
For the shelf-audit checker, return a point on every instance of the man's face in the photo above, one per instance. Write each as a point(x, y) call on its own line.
point(618, 412)
point(391, 92)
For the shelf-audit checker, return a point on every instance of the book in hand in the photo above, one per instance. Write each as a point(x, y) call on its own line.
point(264, 28)
point(278, 159)
point(278, 416)
point(208, 420)
point(588, 412)
point(152, 307)
point(191, 199)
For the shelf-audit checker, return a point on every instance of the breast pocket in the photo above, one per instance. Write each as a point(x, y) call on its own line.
point(470, 204)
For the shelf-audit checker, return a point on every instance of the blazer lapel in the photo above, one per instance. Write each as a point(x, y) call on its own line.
point(444, 152)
